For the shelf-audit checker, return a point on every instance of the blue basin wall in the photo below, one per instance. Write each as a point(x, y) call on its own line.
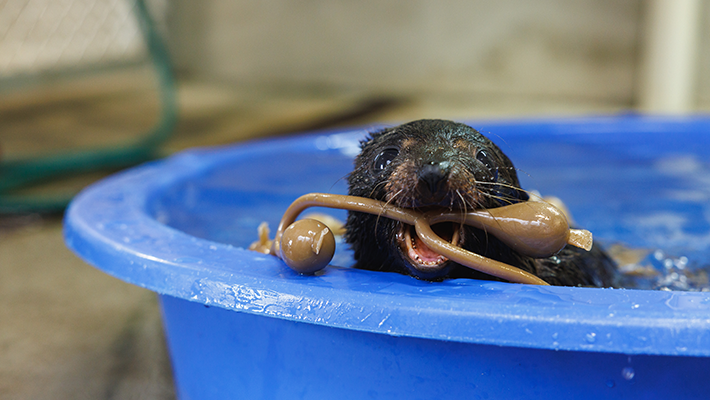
point(241, 324)
point(222, 354)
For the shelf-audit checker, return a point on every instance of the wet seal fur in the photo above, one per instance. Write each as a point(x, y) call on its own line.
point(432, 164)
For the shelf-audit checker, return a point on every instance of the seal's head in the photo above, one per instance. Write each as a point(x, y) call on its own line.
point(426, 165)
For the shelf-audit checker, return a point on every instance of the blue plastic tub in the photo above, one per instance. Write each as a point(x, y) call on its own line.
point(242, 325)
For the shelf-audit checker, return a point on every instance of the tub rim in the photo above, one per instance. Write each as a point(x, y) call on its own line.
point(557, 318)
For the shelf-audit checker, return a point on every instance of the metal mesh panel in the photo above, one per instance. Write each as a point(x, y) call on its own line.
point(85, 86)
point(42, 36)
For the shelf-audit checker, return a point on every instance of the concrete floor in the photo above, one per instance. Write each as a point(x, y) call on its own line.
point(69, 331)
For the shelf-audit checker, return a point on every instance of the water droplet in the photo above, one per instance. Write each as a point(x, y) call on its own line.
point(590, 337)
point(610, 383)
point(628, 373)
point(187, 260)
point(658, 255)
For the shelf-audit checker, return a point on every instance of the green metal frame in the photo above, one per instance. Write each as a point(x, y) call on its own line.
point(16, 174)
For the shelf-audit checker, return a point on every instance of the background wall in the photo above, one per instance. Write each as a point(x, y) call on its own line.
point(703, 70)
point(576, 50)
point(573, 48)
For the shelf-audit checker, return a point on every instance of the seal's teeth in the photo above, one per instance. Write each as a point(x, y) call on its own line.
point(411, 245)
point(430, 263)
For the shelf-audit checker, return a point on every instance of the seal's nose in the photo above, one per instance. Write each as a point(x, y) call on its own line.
point(432, 180)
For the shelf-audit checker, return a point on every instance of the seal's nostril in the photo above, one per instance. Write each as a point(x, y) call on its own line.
point(433, 176)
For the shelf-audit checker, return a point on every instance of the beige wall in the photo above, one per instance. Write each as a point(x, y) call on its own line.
point(703, 71)
point(585, 49)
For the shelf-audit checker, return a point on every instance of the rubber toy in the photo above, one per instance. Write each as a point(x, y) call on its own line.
point(534, 228)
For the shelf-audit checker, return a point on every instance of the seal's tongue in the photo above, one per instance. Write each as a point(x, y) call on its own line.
point(420, 255)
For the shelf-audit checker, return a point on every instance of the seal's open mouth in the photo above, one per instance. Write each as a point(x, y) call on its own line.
point(418, 254)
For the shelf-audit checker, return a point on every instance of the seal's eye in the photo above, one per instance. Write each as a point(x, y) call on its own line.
point(484, 158)
point(385, 158)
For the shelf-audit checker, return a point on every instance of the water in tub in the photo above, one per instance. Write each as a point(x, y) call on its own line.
point(650, 209)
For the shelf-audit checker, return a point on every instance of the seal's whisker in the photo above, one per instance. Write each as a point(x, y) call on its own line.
point(388, 202)
point(505, 185)
point(376, 188)
point(452, 199)
point(464, 204)
point(507, 199)
point(342, 178)
point(379, 216)
point(503, 199)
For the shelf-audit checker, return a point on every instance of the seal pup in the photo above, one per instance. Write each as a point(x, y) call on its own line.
point(438, 164)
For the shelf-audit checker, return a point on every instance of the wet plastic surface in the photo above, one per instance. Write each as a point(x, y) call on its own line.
point(180, 227)
point(219, 354)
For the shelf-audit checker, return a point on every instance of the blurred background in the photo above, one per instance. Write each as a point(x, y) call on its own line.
point(90, 87)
